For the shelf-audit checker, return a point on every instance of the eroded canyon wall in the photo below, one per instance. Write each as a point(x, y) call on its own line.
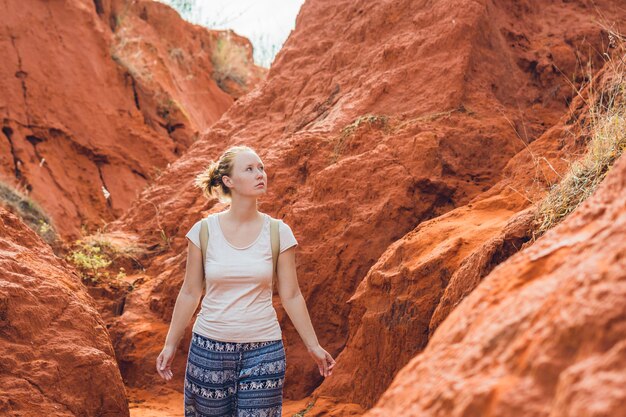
point(98, 98)
point(543, 335)
point(57, 356)
point(375, 119)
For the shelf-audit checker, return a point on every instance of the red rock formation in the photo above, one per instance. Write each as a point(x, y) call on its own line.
point(375, 118)
point(57, 358)
point(395, 135)
point(85, 107)
point(543, 335)
point(424, 275)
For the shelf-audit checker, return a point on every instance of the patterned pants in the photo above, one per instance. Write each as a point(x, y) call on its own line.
point(229, 379)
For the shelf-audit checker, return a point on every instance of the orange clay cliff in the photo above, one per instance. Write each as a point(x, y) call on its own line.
point(410, 145)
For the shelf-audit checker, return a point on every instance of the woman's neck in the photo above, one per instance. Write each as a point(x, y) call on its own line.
point(242, 213)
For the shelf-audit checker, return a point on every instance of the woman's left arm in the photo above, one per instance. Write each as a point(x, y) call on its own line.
point(293, 302)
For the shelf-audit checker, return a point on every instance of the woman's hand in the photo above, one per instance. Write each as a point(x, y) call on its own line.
point(164, 361)
point(324, 360)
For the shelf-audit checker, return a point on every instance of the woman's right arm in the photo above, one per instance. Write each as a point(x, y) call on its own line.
point(186, 304)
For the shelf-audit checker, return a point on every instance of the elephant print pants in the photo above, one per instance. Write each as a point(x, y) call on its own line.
point(230, 379)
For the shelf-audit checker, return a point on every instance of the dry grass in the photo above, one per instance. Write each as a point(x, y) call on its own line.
point(387, 124)
point(431, 117)
point(127, 48)
point(177, 54)
point(30, 212)
point(134, 62)
point(302, 413)
point(169, 109)
point(607, 132)
point(372, 120)
point(377, 121)
point(230, 61)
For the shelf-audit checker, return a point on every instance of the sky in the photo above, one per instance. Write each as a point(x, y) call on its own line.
point(267, 23)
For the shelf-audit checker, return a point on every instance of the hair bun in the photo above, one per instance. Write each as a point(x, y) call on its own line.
point(210, 179)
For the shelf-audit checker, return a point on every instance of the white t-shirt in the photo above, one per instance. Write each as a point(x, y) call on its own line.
point(237, 306)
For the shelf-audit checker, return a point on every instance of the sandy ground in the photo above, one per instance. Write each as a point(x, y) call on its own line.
point(144, 404)
point(169, 403)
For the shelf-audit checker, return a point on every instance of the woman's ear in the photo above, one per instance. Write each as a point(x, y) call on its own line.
point(226, 180)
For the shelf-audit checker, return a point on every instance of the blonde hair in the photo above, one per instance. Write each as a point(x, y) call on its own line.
point(210, 180)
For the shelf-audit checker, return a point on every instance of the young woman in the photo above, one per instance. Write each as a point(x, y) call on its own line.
point(236, 360)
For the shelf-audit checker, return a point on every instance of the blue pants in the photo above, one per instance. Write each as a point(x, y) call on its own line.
point(229, 379)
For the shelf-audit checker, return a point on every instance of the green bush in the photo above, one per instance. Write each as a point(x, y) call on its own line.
point(97, 257)
point(89, 260)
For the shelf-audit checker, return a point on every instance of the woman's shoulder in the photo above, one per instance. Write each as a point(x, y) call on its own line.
point(198, 224)
point(200, 219)
point(281, 222)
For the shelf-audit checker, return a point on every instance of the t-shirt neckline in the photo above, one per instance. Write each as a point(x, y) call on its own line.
point(219, 227)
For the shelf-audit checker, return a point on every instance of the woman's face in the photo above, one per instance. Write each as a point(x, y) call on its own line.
point(248, 176)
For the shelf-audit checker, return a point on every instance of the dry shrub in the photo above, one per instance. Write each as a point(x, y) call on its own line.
point(230, 61)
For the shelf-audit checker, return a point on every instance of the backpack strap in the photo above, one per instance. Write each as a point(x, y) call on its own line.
point(275, 243)
point(204, 238)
